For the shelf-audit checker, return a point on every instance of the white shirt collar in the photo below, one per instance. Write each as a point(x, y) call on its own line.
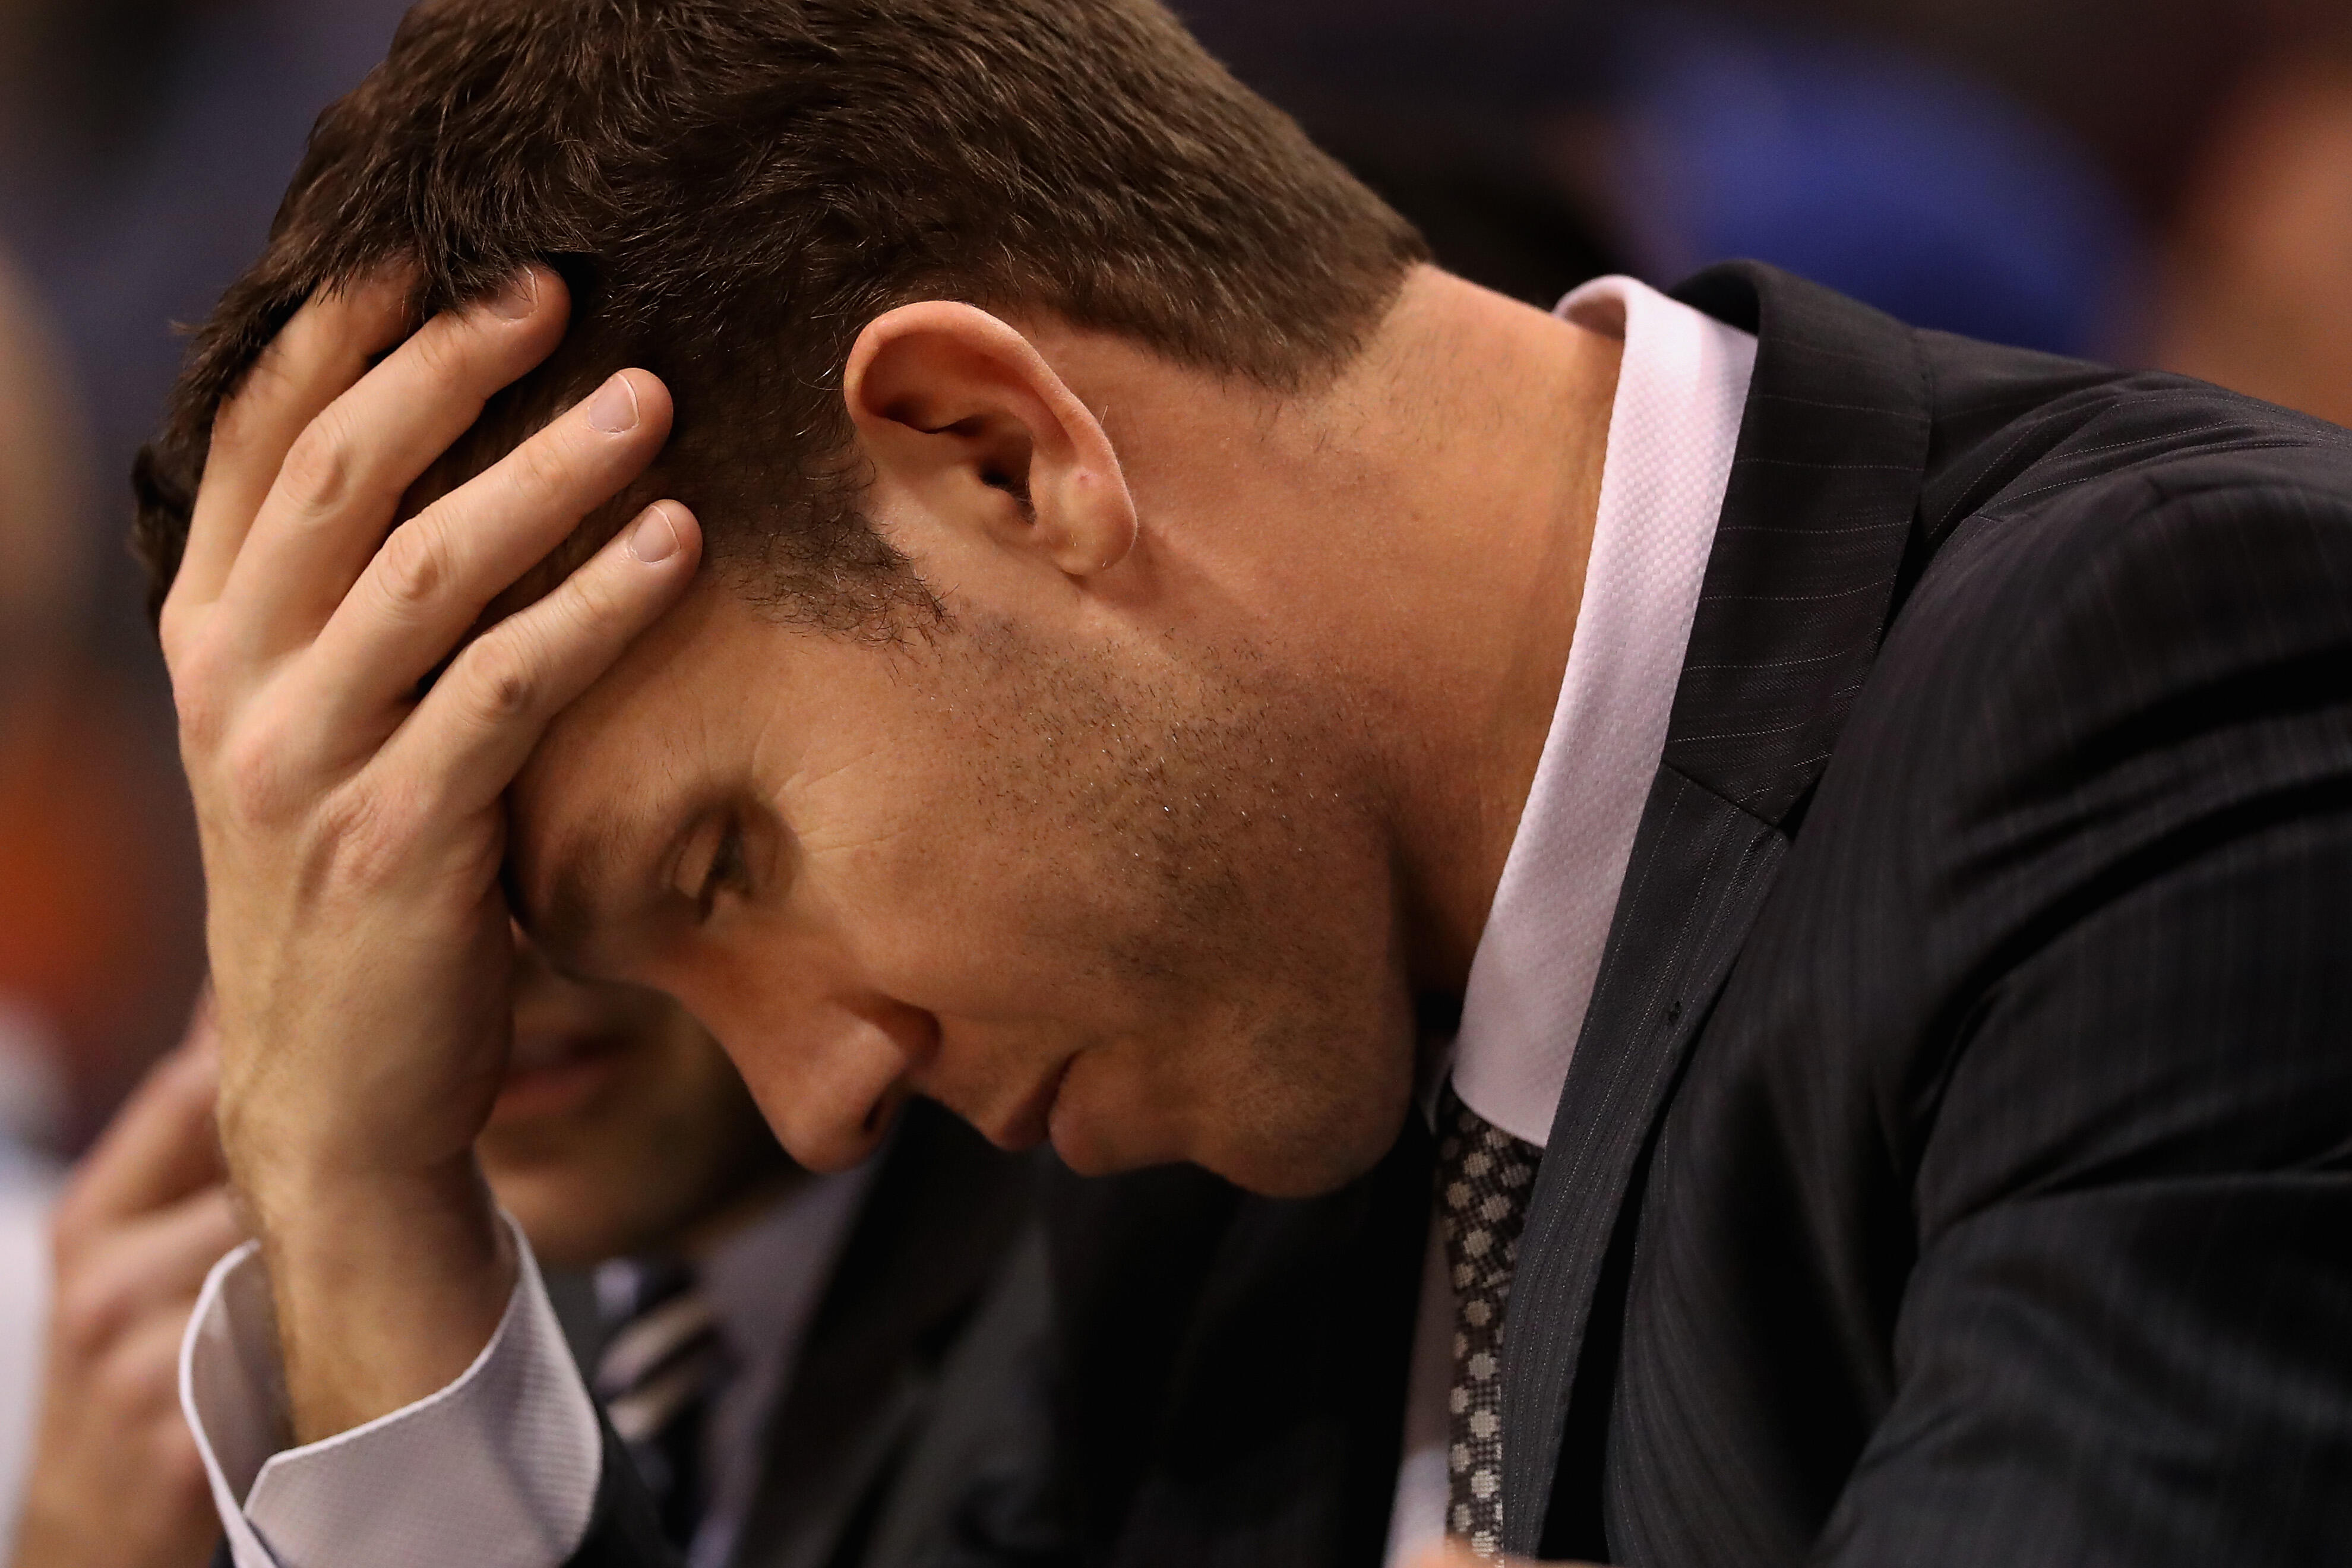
point(1680, 390)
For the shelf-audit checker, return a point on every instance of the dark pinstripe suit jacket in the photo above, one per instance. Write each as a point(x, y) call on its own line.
point(1956, 1164)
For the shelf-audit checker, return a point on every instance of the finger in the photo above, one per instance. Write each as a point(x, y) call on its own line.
point(472, 733)
point(160, 1147)
point(433, 578)
point(154, 1263)
point(343, 480)
point(142, 1370)
point(314, 358)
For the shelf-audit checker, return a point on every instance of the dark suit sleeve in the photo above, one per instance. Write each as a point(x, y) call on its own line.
point(2128, 1338)
point(623, 1531)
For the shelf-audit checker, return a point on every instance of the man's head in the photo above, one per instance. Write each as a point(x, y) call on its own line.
point(996, 759)
point(733, 191)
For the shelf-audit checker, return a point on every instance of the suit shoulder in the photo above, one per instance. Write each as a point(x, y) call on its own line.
point(2182, 616)
point(2009, 428)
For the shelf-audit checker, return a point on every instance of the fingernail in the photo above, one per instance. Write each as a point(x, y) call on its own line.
point(655, 539)
point(515, 299)
point(614, 407)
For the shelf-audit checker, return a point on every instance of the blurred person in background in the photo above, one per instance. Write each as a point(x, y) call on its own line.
point(112, 1477)
point(2257, 275)
point(39, 574)
point(805, 1369)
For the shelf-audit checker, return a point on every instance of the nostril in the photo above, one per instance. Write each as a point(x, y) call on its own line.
point(884, 1111)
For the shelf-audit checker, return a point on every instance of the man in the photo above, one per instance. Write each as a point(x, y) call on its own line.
point(1104, 639)
point(779, 1381)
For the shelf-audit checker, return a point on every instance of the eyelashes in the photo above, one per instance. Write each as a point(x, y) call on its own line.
point(729, 870)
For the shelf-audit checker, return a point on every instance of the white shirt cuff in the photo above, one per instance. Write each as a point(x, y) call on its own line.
point(498, 1470)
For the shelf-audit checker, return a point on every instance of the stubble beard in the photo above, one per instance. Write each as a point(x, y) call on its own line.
point(1231, 888)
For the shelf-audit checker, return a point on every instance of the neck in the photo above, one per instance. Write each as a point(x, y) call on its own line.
point(1475, 428)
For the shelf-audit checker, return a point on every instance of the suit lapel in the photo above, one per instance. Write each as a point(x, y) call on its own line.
point(932, 1233)
point(1832, 446)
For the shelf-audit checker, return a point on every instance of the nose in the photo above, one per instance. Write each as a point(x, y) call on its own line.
point(831, 1079)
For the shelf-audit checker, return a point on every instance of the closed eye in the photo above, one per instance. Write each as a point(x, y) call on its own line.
point(729, 870)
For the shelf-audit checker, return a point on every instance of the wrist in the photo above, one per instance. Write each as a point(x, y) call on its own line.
point(386, 1287)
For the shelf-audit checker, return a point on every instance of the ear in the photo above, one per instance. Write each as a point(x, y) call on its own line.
point(958, 412)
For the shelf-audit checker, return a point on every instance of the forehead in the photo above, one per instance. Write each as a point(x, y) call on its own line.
point(722, 704)
point(658, 736)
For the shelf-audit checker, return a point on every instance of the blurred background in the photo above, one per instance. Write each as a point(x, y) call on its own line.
point(2154, 182)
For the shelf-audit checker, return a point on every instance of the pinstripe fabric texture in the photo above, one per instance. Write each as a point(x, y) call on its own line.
point(1980, 1189)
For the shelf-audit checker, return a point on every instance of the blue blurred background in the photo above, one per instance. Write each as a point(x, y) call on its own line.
point(2161, 181)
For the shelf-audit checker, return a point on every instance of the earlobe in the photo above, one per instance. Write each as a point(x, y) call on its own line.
point(956, 406)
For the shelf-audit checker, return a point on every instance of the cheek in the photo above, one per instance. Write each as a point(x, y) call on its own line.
point(920, 913)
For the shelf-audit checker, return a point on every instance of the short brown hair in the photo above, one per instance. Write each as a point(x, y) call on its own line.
point(733, 188)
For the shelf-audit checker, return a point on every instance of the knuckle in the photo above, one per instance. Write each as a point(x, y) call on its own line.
point(234, 424)
point(502, 679)
point(254, 773)
point(448, 350)
point(174, 629)
point(586, 610)
point(371, 838)
point(69, 1233)
point(198, 694)
point(413, 567)
point(315, 477)
point(596, 604)
point(87, 1313)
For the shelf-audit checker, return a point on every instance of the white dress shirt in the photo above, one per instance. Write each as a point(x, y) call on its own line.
point(500, 1468)
point(508, 1455)
point(1682, 387)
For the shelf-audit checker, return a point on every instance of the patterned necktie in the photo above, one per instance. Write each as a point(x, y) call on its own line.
point(1484, 1176)
point(656, 1376)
